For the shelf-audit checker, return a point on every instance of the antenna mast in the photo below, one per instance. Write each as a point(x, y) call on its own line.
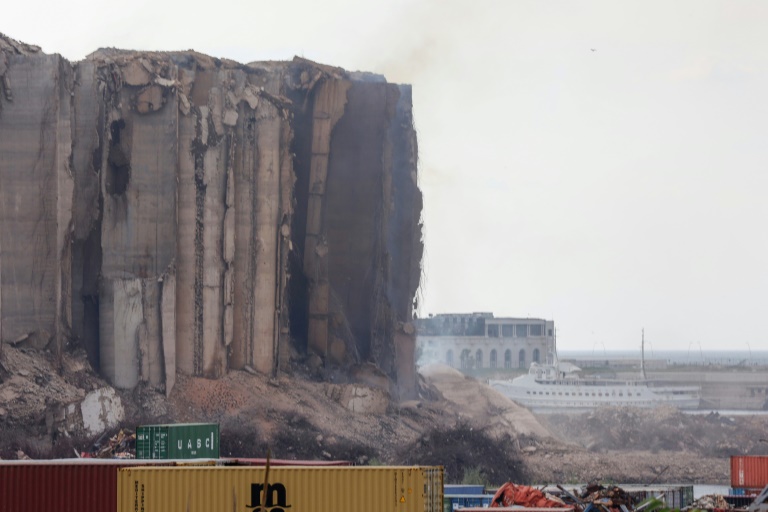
point(642, 355)
point(554, 346)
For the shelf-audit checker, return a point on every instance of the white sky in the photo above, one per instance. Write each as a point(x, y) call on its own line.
point(608, 190)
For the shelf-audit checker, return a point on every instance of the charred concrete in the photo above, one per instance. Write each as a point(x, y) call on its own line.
point(174, 212)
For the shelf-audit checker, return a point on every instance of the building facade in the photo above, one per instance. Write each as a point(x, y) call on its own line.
point(480, 341)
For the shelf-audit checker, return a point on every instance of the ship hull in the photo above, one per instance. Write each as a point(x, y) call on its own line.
point(581, 394)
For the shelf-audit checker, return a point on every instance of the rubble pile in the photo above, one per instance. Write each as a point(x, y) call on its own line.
point(34, 392)
point(612, 498)
point(460, 447)
point(47, 401)
point(301, 417)
point(710, 502)
point(120, 446)
point(661, 429)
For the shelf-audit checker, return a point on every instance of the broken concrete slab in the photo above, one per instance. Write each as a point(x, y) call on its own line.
point(168, 326)
point(136, 73)
point(121, 315)
point(364, 400)
point(102, 409)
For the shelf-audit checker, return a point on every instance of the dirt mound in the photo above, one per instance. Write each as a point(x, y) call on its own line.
point(465, 449)
point(662, 429)
point(482, 406)
point(298, 439)
point(295, 417)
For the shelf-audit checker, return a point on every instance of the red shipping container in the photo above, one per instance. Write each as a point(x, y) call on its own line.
point(749, 471)
point(88, 485)
point(65, 485)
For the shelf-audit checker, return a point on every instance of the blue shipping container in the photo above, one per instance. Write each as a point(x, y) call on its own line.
point(463, 489)
point(456, 501)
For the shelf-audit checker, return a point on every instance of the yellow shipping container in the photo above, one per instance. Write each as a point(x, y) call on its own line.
point(290, 489)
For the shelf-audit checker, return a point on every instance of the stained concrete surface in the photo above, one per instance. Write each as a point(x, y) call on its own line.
point(173, 212)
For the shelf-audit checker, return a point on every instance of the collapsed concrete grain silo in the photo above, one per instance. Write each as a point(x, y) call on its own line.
point(176, 212)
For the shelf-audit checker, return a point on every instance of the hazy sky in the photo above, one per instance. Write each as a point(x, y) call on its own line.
point(598, 163)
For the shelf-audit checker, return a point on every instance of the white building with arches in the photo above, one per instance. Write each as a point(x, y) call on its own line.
point(480, 340)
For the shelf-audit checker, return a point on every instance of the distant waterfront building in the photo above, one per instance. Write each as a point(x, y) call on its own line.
point(479, 340)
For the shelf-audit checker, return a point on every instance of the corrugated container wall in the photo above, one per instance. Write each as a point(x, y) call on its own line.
point(749, 471)
point(300, 489)
point(456, 501)
point(744, 491)
point(181, 441)
point(63, 488)
point(76, 485)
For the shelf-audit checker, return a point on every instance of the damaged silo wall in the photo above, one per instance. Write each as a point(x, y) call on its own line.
point(363, 244)
point(36, 187)
point(174, 212)
point(138, 218)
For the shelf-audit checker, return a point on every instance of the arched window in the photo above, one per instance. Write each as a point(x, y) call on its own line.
point(449, 358)
point(493, 358)
point(507, 359)
point(521, 359)
point(536, 355)
point(479, 359)
point(466, 359)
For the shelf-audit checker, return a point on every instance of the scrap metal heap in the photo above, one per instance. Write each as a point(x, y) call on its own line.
point(177, 212)
point(510, 495)
point(593, 497)
point(120, 446)
point(600, 498)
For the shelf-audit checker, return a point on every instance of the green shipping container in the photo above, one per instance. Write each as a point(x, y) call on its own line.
point(182, 441)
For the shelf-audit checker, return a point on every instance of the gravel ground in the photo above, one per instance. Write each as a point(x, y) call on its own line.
point(640, 467)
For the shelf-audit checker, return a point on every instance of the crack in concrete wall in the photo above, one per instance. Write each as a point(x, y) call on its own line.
point(154, 206)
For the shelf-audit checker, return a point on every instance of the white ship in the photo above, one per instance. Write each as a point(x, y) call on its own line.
point(559, 386)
